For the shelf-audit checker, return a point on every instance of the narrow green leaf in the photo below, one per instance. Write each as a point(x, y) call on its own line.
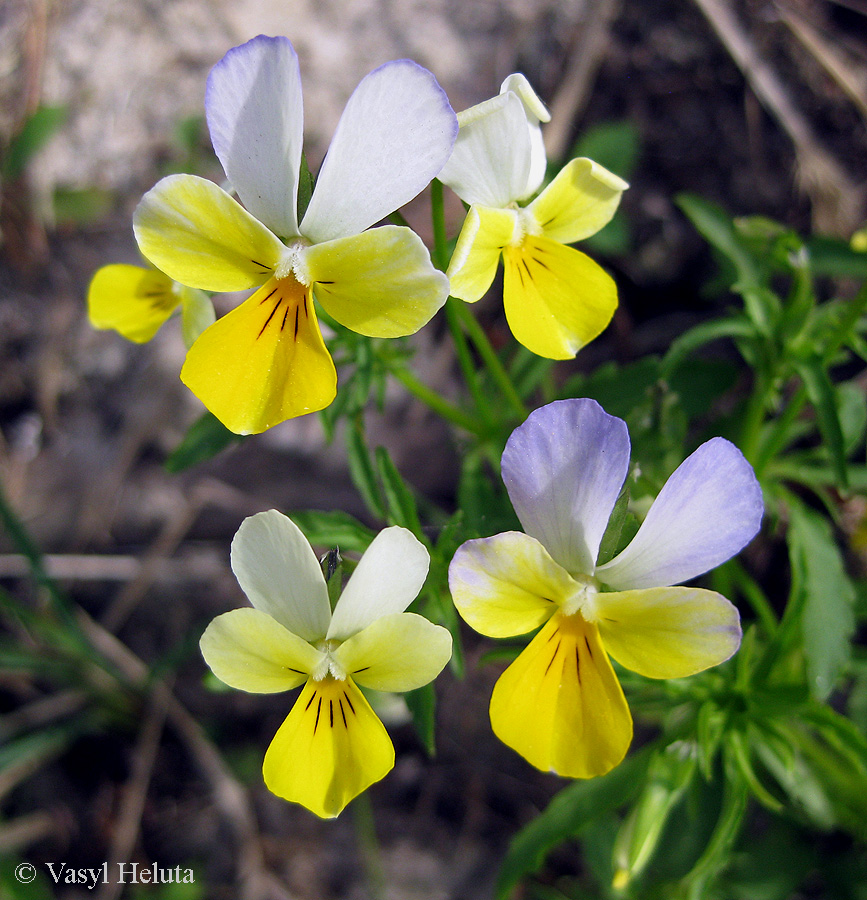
point(33, 136)
point(610, 543)
point(305, 187)
point(205, 438)
point(826, 599)
point(576, 806)
point(402, 508)
point(820, 390)
point(422, 705)
point(333, 528)
point(706, 333)
point(361, 468)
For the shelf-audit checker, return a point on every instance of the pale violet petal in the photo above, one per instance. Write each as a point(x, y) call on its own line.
point(256, 119)
point(563, 469)
point(490, 164)
point(278, 571)
point(400, 652)
point(393, 138)
point(387, 579)
point(708, 510)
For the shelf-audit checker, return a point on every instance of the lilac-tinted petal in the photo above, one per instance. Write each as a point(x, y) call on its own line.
point(563, 469)
point(393, 138)
point(708, 510)
point(256, 119)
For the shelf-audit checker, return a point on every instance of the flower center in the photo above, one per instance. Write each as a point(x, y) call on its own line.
point(328, 666)
point(292, 263)
point(582, 599)
point(525, 224)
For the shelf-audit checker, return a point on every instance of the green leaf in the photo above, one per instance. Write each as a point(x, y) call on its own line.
point(820, 390)
point(305, 187)
point(706, 333)
point(852, 409)
point(333, 528)
point(826, 598)
point(422, 705)
point(205, 438)
point(361, 468)
point(615, 145)
point(834, 257)
point(45, 122)
point(610, 543)
point(81, 206)
point(402, 508)
point(575, 807)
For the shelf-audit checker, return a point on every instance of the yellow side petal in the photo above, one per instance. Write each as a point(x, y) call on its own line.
point(556, 298)
point(668, 632)
point(380, 283)
point(331, 747)
point(249, 650)
point(578, 202)
point(263, 362)
point(474, 262)
point(197, 234)
point(560, 705)
point(507, 584)
point(131, 300)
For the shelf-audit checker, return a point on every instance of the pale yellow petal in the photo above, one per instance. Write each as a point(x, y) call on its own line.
point(400, 652)
point(667, 632)
point(197, 234)
point(560, 705)
point(131, 300)
point(580, 201)
point(556, 298)
point(263, 362)
point(507, 584)
point(331, 747)
point(477, 253)
point(380, 283)
point(248, 650)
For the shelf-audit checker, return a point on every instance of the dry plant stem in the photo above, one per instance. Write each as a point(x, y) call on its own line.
point(40, 713)
point(585, 57)
point(135, 792)
point(836, 198)
point(230, 797)
point(18, 834)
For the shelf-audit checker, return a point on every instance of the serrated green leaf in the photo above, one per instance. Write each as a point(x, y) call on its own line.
point(576, 806)
point(826, 599)
point(205, 438)
point(820, 390)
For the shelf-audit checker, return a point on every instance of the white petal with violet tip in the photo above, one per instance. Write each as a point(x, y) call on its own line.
point(200, 236)
point(248, 650)
point(400, 652)
point(708, 511)
point(490, 164)
point(667, 632)
point(278, 570)
point(563, 469)
point(395, 134)
point(256, 119)
point(387, 579)
point(380, 283)
point(507, 584)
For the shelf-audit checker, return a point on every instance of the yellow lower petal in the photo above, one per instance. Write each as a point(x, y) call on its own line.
point(264, 362)
point(556, 298)
point(331, 747)
point(477, 253)
point(131, 300)
point(560, 705)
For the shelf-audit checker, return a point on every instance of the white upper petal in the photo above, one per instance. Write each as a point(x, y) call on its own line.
point(563, 469)
point(392, 140)
point(708, 510)
point(256, 119)
point(278, 571)
point(388, 578)
point(491, 162)
point(536, 113)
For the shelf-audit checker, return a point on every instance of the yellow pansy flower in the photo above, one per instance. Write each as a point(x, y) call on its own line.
point(559, 704)
point(266, 361)
point(556, 298)
point(135, 302)
point(332, 746)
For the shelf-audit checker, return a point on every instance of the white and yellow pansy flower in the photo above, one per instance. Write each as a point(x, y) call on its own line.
point(332, 746)
point(135, 302)
point(266, 361)
point(556, 298)
point(559, 704)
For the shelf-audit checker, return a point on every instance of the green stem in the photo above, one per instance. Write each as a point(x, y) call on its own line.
point(439, 225)
point(439, 405)
point(498, 372)
point(465, 359)
point(368, 845)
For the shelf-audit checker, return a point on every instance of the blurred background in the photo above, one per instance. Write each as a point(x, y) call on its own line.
point(759, 106)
